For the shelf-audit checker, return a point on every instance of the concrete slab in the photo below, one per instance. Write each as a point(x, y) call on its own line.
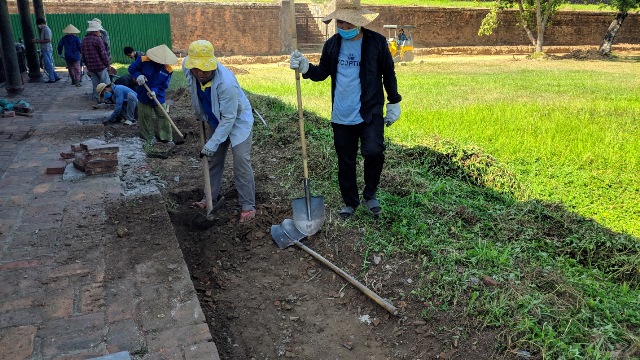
point(72, 174)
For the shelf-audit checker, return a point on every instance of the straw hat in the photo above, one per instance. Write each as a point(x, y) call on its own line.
point(201, 56)
point(94, 26)
point(70, 29)
point(162, 55)
point(352, 12)
point(100, 89)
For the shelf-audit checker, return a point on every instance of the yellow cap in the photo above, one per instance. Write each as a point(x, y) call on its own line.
point(201, 56)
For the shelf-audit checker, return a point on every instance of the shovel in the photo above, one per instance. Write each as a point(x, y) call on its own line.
point(166, 114)
point(308, 212)
point(200, 221)
point(287, 234)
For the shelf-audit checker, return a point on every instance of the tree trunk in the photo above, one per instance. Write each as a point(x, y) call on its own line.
point(540, 37)
point(605, 47)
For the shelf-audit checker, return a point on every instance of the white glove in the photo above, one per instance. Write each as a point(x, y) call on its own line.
point(298, 61)
point(151, 94)
point(209, 149)
point(141, 80)
point(393, 113)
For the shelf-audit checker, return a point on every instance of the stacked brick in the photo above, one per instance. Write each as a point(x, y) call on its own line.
point(94, 157)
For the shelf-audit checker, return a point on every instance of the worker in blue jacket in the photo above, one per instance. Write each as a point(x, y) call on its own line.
point(153, 70)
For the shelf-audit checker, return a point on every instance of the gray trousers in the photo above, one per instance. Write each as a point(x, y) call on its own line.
point(132, 107)
point(97, 78)
point(242, 172)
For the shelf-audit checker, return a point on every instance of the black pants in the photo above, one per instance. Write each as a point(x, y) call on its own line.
point(346, 139)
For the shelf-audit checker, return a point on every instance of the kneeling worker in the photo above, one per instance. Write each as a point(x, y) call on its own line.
point(126, 101)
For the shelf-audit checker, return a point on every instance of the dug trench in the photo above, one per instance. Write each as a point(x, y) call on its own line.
point(262, 302)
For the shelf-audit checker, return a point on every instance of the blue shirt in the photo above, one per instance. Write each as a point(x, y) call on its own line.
point(120, 93)
point(158, 78)
point(346, 102)
point(205, 101)
point(71, 45)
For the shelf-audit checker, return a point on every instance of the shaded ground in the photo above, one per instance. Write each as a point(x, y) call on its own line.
point(264, 303)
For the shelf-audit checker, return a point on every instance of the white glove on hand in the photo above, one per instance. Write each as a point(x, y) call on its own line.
point(208, 149)
point(298, 61)
point(393, 114)
point(141, 80)
point(151, 94)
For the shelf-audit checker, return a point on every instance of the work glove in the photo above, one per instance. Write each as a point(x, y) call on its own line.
point(393, 114)
point(208, 150)
point(298, 61)
point(141, 80)
point(151, 94)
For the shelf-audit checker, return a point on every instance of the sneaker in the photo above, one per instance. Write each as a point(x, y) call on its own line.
point(128, 122)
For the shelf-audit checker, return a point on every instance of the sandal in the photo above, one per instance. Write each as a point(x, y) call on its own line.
point(373, 205)
point(346, 212)
point(247, 216)
point(200, 204)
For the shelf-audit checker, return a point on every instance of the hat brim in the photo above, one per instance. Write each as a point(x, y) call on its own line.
point(162, 55)
point(201, 63)
point(359, 17)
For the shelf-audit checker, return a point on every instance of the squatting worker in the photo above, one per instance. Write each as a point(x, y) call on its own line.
point(219, 101)
point(125, 99)
point(360, 64)
point(154, 70)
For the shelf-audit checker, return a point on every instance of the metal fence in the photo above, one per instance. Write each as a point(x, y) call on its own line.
point(140, 31)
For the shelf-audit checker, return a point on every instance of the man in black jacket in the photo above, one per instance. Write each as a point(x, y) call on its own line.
point(360, 64)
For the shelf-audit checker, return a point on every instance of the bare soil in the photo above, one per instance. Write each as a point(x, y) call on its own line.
point(265, 303)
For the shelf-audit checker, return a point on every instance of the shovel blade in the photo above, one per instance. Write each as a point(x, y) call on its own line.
point(308, 220)
point(286, 234)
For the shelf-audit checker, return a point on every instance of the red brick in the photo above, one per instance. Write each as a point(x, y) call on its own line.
point(206, 350)
point(59, 304)
point(15, 304)
point(178, 337)
point(67, 155)
point(56, 167)
point(92, 298)
point(17, 342)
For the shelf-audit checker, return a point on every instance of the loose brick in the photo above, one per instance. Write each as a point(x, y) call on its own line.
point(56, 167)
point(9, 114)
point(67, 154)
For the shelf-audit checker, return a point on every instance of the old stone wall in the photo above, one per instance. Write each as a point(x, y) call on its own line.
point(459, 27)
point(261, 29)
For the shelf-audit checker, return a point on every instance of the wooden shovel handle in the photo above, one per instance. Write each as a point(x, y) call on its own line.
point(205, 171)
point(365, 290)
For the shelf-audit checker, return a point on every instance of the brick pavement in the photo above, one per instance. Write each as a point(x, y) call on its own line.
point(64, 292)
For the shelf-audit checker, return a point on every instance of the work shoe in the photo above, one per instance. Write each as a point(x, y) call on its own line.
point(346, 212)
point(373, 205)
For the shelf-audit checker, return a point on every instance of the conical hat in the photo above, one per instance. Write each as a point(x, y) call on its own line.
point(162, 55)
point(70, 29)
point(352, 12)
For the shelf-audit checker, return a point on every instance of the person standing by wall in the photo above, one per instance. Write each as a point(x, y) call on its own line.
point(153, 70)
point(219, 101)
point(71, 45)
point(94, 57)
point(360, 65)
point(46, 49)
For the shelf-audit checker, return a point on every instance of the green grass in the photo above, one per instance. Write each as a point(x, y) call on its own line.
point(524, 171)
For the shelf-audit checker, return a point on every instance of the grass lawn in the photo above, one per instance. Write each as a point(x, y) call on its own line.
point(525, 171)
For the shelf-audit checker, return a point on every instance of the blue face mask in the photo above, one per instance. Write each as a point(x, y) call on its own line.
point(107, 96)
point(348, 34)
